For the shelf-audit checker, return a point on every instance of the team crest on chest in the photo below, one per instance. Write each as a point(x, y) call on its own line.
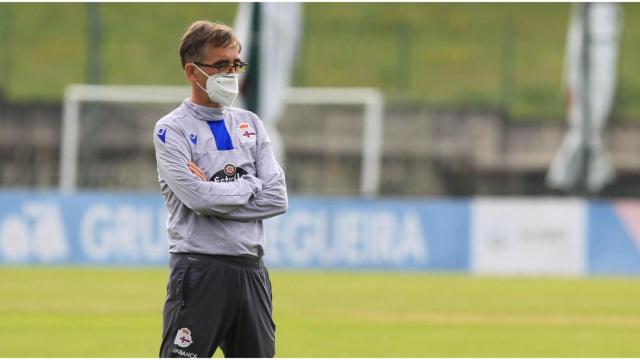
point(229, 170)
point(246, 133)
point(228, 173)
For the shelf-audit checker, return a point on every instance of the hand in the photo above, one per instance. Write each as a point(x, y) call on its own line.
point(197, 171)
point(256, 184)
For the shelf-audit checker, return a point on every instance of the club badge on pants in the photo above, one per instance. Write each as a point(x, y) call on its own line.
point(183, 338)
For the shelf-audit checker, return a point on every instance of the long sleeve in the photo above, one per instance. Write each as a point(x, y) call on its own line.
point(273, 200)
point(172, 156)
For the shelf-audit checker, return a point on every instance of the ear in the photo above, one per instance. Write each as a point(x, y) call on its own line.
point(189, 72)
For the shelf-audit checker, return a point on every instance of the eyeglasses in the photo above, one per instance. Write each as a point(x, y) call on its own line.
point(225, 68)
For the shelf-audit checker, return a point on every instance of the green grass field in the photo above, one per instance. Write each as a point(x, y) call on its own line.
point(109, 312)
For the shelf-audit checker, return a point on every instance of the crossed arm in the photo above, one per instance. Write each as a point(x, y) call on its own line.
point(246, 199)
point(272, 200)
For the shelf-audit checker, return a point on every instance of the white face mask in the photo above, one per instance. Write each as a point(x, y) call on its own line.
point(221, 88)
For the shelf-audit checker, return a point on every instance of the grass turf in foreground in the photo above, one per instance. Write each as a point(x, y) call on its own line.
point(109, 312)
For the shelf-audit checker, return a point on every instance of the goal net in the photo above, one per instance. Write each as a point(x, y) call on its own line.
point(331, 137)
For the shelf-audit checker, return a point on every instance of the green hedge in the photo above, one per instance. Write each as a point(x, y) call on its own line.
point(502, 55)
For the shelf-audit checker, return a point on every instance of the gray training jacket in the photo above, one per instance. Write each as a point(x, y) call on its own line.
point(246, 184)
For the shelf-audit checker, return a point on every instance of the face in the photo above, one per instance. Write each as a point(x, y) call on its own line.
point(215, 56)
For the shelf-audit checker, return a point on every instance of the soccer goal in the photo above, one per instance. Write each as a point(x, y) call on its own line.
point(107, 129)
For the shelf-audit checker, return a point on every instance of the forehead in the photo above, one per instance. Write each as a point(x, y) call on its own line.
point(229, 53)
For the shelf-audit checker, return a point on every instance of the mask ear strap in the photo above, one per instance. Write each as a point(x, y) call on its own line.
point(205, 74)
point(202, 71)
point(200, 86)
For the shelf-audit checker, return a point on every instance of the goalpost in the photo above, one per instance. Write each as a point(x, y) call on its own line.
point(371, 99)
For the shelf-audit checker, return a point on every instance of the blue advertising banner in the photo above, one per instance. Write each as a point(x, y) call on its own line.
point(102, 228)
point(614, 238)
point(357, 233)
point(88, 228)
point(129, 229)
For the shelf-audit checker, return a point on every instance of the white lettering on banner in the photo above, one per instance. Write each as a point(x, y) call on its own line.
point(95, 236)
point(347, 238)
point(414, 244)
point(50, 243)
point(382, 228)
point(357, 238)
point(120, 233)
point(14, 239)
point(301, 236)
point(37, 234)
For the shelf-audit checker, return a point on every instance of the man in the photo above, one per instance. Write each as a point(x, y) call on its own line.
point(219, 179)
